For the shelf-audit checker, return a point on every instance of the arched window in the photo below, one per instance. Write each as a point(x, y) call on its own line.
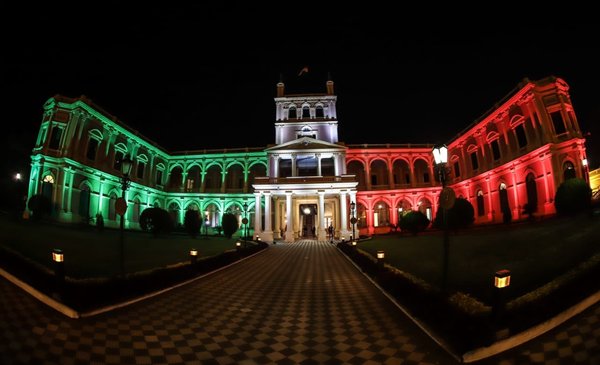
point(135, 213)
point(532, 200)
point(47, 186)
point(305, 112)
point(174, 213)
point(112, 213)
point(319, 112)
point(84, 202)
point(504, 204)
point(425, 208)
point(480, 204)
point(292, 113)
point(381, 215)
point(361, 216)
point(568, 170)
point(92, 149)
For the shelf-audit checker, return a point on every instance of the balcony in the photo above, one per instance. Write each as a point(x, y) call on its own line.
point(304, 179)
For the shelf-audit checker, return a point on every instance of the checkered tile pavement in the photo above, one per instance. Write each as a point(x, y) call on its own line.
point(299, 303)
point(575, 342)
point(296, 303)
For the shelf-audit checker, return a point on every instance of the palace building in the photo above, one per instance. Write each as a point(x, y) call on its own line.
point(516, 154)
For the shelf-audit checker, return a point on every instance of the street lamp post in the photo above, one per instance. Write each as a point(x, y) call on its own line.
point(245, 222)
point(121, 208)
point(440, 156)
point(353, 219)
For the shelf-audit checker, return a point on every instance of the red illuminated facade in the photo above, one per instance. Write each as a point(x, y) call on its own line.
point(516, 154)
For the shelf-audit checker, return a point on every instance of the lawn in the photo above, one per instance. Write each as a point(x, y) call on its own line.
point(89, 253)
point(535, 253)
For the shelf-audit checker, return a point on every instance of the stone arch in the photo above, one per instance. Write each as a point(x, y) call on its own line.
point(381, 213)
point(401, 172)
point(175, 177)
point(421, 171)
point(379, 174)
point(213, 178)
point(193, 180)
point(356, 167)
point(568, 168)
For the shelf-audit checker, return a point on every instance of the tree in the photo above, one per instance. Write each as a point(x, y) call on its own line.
point(414, 222)
point(573, 196)
point(230, 225)
point(156, 221)
point(40, 206)
point(461, 215)
point(192, 222)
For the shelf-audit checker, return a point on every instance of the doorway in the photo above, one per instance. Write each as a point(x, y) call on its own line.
point(308, 221)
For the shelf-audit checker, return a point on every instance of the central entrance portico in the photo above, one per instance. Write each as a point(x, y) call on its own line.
point(304, 208)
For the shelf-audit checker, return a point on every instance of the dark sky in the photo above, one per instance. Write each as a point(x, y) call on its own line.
point(195, 77)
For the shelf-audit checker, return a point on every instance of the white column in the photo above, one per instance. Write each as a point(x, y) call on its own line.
point(318, 157)
point(344, 216)
point(257, 214)
point(289, 233)
point(336, 164)
point(294, 172)
point(321, 235)
point(268, 232)
point(275, 166)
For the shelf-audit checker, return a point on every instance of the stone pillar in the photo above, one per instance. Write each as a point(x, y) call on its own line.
point(321, 235)
point(268, 232)
point(289, 233)
point(344, 232)
point(257, 215)
point(294, 172)
point(277, 229)
point(318, 157)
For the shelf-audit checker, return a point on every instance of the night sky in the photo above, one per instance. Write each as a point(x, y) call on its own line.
point(195, 77)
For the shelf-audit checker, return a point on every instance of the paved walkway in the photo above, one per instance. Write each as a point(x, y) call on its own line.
point(296, 303)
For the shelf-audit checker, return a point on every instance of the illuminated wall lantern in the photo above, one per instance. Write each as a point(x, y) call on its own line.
point(584, 162)
point(57, 255)
point(502, 279)
point(193, 256)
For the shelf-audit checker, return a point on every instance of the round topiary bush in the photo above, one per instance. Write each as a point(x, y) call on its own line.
point(461, 215)
point(414, 222)
point(156, 221)
point(230, 224)
point(573, 196)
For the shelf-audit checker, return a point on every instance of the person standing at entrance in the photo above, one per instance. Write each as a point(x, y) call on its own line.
point(330, 232)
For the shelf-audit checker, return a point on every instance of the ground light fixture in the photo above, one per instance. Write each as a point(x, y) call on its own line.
point(59, 271)
point(502, 279)
point(193, 256)
point(501, 282)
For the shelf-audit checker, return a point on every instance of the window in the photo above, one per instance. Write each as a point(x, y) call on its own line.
point(456, 169)
point(521, 137)
point(140, 169)
point(55, 137)
point(557, 121)
point(292, 113)
point(474, 162)
point(373, 180)
point(480, 205)
point(118, 157)
point(568, 170)
point(92, 149)
point(159, 175)
point(305, 112)
point(319, 112)
point(426, 177)
point(495, 150)
point(189, 185)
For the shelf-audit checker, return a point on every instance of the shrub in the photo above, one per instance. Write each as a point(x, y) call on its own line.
point(573, 196)
point(461, 215)
point(414, 222)
point(40, 206)
point(156, 220)
point(229, 224)
point(192, 222)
